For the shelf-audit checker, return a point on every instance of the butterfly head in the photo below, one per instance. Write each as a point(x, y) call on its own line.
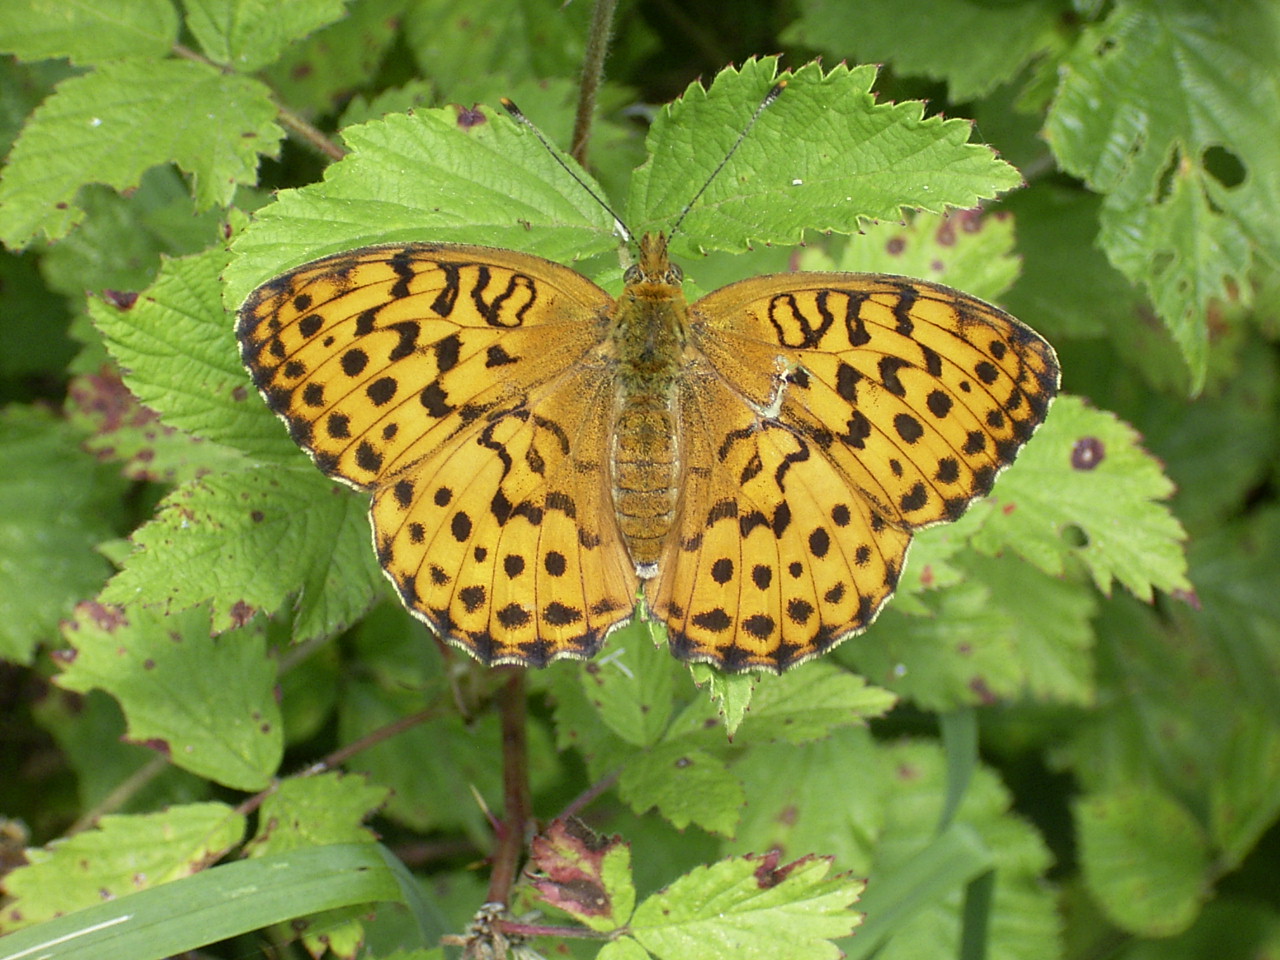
point(653, 269)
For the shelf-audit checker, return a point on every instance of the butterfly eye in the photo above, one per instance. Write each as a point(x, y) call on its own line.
point(632, 274)
point(674, 275)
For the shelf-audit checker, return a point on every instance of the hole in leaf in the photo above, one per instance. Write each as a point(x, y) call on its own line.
point(1224, 166)
point(1075, 536)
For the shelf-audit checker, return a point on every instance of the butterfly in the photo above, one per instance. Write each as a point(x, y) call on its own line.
point(545, 459)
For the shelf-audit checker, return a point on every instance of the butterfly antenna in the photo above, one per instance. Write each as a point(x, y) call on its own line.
point(769, 97)
point(518, 116)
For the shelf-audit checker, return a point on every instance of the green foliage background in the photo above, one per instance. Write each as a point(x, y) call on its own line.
point(1061, 739)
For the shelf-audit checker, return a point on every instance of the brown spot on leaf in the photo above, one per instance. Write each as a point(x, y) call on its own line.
point(469, 117)
point(979, 686)
point(1087, 453)
point(120, 299)
point(104, 616)
point(241, 613)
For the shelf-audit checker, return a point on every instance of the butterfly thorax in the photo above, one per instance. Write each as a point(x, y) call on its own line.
point(648, 331)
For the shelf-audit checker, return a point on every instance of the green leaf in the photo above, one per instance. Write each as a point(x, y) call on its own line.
point(963, 653)
point(631, 687)
point(1067, 286)
point(119, 856)
point(624, 948)
point(426, 176)
point(686, 784)
point(955, 858)
point(248, 34)
point(56, 505)
point(793, 807)
point(210, 124)
point(1023, 922)
point(731, 692)
point(178, 351)
point(1143, 103)
point(206, 704)
point(1187, 255)
point(318, 73)
point(824, 157)
point(811, 703)
point(968, 249)
point(577, 720)
point(1144, 859)
point(123, 431)
point(117, 248)
point(750, 907)
point(90, 732)
point(971, 45)
point(519, 39)
point(312, 811)
point(248, 541)
point(87, 31)
point(215, 905)
point(1086, 470)
point(1052, 626)
point(1245, 797)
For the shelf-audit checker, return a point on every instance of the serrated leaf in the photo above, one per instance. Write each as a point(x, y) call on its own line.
point(731, 692)
point(1186, 255)
point(631, 688)
point(216, 539)
point(1147, 95)
point(1144, 859)
point(208, 705)
point(811, 703)
point(177, 348)
point(212, 125)
point(123, 431)
point(1085, 469)
point(750, 907)
point(120, 855)
point(248, 34)
point(686, 784)
point(440, 175)
point(313, 811)
point(56, 505)
point(88, 31)
point(583, 874)
point(998, 40)
point(846, 159)
point(967, 249)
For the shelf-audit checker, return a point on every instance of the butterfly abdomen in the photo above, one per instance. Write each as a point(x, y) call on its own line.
point(645, 465)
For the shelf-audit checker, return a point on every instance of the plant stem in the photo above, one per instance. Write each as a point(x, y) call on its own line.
point(588, 795)
point(515, 788)
point(592, 74)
